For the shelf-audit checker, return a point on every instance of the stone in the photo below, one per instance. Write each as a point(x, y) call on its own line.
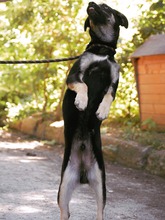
point(156, 163)
point(134, 156)
point(40, 131)
point(110, 152)
point(54, 133)
point(29, 125)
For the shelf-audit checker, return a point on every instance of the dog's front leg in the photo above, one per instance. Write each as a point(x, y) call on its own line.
point(81, 99)
point(103, 110)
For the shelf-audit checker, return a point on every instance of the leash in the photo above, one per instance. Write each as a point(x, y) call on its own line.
point(37, 61)
point(89, 47)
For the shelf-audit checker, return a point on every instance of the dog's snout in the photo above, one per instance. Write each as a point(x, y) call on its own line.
point(91, 7)
point(91, 4)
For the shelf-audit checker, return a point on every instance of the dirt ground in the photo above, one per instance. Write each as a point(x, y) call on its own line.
point(29, 180)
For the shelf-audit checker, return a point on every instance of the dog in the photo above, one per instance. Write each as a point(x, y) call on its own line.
point(91, 88)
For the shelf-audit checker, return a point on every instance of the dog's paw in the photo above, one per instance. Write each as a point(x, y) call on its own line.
point(81, 101)
point(102, 111)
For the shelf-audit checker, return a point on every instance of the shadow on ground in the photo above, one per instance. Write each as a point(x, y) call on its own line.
point(30, 175)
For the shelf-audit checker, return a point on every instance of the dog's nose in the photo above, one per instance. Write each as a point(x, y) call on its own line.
point(91, 4)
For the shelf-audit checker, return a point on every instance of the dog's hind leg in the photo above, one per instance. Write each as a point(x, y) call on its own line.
point(68, 184)
point(98, 185)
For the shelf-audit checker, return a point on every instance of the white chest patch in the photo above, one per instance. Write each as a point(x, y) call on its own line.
point(89, 58)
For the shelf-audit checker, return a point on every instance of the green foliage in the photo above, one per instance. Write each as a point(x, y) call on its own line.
point(51, 29)
point(149, 124)
point(125, 105)
point(150, 22)
point(37, 30)
point(147, 137)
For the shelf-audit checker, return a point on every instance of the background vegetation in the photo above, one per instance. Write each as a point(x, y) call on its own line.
point(52, 29)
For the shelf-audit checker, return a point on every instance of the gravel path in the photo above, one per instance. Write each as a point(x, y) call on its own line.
point(30, 175)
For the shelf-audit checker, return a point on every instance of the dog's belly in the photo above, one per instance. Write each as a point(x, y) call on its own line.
point(82, 159)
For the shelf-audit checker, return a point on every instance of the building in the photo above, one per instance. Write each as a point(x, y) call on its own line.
point(149, 65)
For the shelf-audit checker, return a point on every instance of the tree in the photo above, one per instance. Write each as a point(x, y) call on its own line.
point(151, 21)
point(51, 29)
point(38, 30)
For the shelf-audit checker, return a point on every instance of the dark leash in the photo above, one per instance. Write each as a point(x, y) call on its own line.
point(89, 47)
point(37, 61)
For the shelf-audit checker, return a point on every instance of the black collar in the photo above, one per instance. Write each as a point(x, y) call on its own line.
point(101, 49)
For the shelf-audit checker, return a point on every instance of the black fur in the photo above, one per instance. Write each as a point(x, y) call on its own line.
point(82, 126)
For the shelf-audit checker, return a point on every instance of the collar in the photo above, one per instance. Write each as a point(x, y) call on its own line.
point(101, 49)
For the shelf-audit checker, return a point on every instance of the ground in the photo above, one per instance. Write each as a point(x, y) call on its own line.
point(29, 180)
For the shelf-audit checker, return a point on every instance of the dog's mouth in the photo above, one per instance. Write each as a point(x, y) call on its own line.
point(95, 13)
point(92, 8)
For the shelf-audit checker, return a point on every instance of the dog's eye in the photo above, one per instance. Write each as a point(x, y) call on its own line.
point(105, 7)
point(111, 19)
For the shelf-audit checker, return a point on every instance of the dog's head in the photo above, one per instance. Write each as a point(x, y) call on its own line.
point(104, 22)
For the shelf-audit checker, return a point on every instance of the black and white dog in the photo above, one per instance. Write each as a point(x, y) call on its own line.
point(92, 84)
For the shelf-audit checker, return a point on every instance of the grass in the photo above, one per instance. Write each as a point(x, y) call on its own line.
point(134, 131)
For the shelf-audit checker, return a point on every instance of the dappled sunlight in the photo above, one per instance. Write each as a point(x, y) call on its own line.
point(28, 186)
point(23, 159)
point(29, 203)
point(57, 124)
point(24, 212)
point(32, 159)
point(82, 194)
point(77, 201)
point(20, 145)
point(27, 209)
point(35, 197)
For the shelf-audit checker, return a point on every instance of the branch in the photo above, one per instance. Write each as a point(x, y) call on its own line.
point(1, 1)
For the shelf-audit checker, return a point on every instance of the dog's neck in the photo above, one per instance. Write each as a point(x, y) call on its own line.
point(101, 49)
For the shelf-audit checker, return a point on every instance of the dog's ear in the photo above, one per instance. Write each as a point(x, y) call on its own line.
point(122, 19)
point(86, 25)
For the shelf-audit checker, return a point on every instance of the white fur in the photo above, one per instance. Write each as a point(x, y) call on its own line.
point(89, 58)
point(104, 32)
point(81, 99)
point(95, 181)
point(69, 183)
point(114, 71)
point(103, 109)
point(71, 177)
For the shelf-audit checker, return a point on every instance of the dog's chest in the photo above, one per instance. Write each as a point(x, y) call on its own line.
point(89, 58)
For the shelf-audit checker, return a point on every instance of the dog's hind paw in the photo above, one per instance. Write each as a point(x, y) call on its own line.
point(81, 101)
